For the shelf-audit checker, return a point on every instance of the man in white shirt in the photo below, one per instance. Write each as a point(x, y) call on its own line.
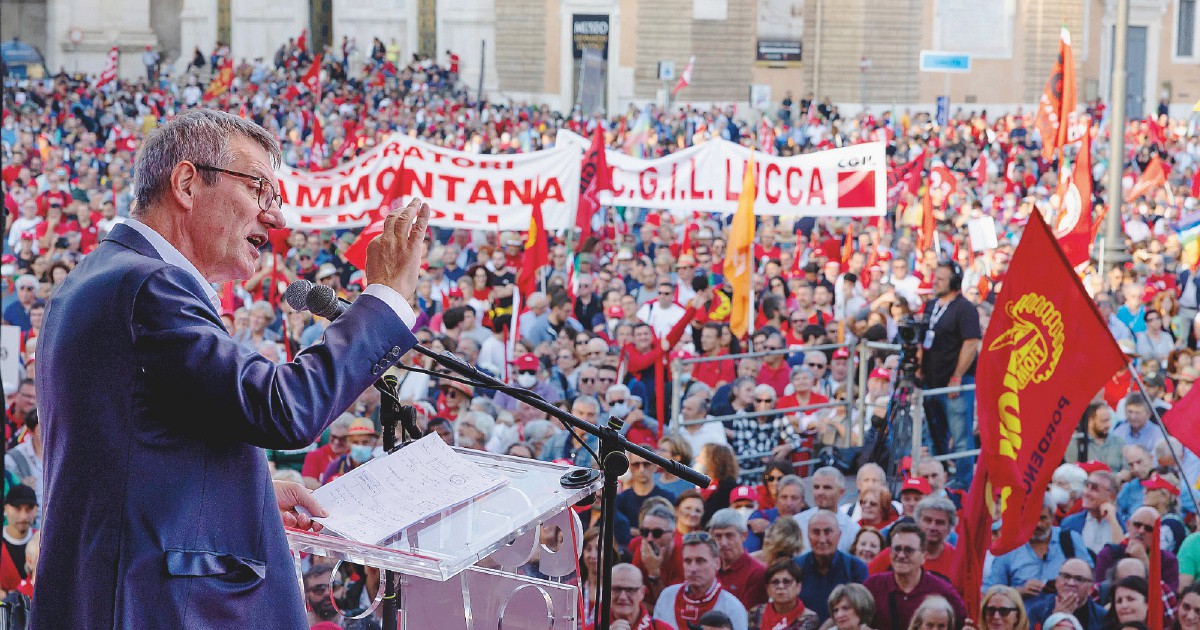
point(906, 285)
point(1098, 522)
point(828, 486)
point(662, 314)
point(697, 435)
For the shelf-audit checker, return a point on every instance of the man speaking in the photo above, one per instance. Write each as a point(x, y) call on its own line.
point(159, 508)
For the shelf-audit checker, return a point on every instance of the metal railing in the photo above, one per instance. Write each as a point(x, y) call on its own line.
point(856, 404)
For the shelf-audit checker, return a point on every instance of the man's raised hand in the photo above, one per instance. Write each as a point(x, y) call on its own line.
point(394, 257)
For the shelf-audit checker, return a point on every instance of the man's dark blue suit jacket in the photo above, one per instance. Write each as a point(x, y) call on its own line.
point(159, 509)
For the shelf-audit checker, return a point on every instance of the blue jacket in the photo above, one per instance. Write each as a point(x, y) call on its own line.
point(159, 509)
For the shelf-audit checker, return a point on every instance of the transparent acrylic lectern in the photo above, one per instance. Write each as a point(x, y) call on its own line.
point(441, 585)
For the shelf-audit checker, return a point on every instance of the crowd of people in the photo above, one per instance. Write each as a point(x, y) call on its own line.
point(796, 531)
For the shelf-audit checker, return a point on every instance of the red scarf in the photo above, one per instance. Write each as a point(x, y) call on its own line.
point(689, 609)
point(772, 620)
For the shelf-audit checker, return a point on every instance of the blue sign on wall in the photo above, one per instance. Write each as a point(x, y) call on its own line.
point(934, 61)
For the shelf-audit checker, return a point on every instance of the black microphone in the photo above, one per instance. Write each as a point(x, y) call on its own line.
point(323, 300)
point(297, 294)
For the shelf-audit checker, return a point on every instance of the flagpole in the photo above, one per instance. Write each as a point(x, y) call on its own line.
point(1137, 380)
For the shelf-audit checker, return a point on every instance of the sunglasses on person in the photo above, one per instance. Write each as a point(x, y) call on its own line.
point(696, 537)
point(903, 551)
point(764, 401)
point(772, 478)
point(781, 583)
point(1003, 611)
point(656, 532)
point(627, 591)
point(1142, 526)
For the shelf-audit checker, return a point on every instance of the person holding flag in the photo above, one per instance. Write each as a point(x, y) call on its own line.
point(739, 265)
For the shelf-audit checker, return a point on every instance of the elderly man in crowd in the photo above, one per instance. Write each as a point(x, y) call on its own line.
point(1097, 523)
point(825, 566)
point(739, 574)
point(828, 486)
point(1072, 596)
point(901, 590)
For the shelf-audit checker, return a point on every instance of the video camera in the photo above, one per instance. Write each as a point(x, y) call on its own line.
point(911, 333)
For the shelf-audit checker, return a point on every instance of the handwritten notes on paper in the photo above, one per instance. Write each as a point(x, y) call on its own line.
point(379, 499)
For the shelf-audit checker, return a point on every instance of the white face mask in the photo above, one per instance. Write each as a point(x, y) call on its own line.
point(526, 380)
point(744, 511)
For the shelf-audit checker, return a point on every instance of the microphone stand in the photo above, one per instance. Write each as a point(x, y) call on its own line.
point(391, 413)
point(612, 460)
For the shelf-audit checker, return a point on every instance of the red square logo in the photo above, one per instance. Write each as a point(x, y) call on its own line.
point(856, 189)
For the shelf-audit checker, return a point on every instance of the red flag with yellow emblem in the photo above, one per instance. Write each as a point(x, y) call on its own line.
point(1044, 356)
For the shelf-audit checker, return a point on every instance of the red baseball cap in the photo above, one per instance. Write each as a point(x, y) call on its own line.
point(615, 311)
point(1160, 483)
point(454, 292)
point(881, 373)
point(841, 353)
point(917, 484)
point(746, 493)
point(1093, 465)
point(526, 362)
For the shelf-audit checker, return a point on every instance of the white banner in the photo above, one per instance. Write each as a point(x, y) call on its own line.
point(10, 357)
point(487, 192)
point(850, 181)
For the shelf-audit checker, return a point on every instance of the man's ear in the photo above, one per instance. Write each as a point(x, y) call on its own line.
point(184, 181)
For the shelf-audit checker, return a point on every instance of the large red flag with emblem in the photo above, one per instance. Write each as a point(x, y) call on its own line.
point(110, 70)
point(1044, 356)
point(1073, 226)
point(537, 252)
point(593, 178)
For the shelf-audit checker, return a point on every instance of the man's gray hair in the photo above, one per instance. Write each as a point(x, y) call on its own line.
point(940, 504)
point(663, 512)
point(1162, 448)
point(832, 473)
point(200, 136)
point(26, 280)
point(789, 480)
point(1073, 476)
point(727, 518)
point(589, 401)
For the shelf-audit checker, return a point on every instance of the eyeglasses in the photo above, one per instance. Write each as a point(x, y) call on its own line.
point(1078, 579)
point(1142, 526)
point(764, 401)
point(773, 478)
point(781, 582)
point(587, 381)
point(317, 589)
point(340, 439)
point(696, 537)
point(628, 591)
point(267, 197)
point(657, 532)
point(1003, 611)
point(903, 551)
point(816, 365)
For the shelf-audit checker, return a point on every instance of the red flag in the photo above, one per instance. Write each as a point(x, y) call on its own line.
point(927, 231)
point(228, 301)
point(1158, 133)
point(317, 153)
point(685, 78)
point(1154, 607)
point(943, 179)
point(1045, 354)
point(311, 82)
point(1180, 420)
point(349, 143)
point(1117, 388)
point(1058, 99)
point(1196, 182)
point(110, 69)
point(1152, 177)
point(356, 254)
point(593, 178)
point(1073, 226)
point(220, 83)
point(537, 252)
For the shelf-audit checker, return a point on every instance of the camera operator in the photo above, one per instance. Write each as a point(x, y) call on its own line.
point(951, 343)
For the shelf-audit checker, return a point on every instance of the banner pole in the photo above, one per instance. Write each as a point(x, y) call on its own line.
point(1137, 380)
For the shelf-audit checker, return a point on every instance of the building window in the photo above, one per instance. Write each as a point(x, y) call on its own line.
point(1185, 29)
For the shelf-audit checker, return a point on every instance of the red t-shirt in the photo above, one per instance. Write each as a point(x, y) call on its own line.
point(712, 372)
point(63, 228)
point(777, 377)
point(791, 400)
point(317, 460)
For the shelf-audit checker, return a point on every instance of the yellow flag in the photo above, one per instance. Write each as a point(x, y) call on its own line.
point(739, 260)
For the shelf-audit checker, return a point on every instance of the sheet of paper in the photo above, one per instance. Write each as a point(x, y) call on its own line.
point(378, 499)
point(982, 233)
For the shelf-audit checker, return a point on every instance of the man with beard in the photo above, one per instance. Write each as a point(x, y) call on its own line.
point(317, 460)
point(319, 595)
point(1029, 567)
point(1099, 443)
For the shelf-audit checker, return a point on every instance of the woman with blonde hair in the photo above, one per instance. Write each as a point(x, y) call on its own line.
point(782, 540)
point(1003, 609)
